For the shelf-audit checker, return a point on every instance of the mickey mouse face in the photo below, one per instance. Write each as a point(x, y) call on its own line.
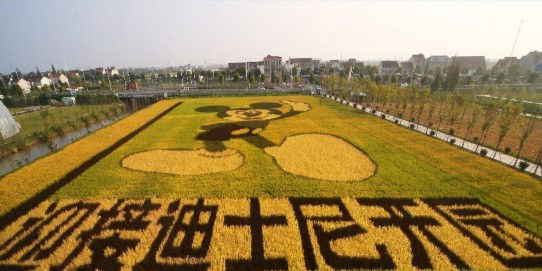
point(256, 112)
point(250, 114)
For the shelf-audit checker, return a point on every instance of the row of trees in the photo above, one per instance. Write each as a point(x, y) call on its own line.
point(453, 112)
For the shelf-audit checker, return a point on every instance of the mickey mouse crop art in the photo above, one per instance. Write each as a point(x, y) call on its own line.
point(313, 155)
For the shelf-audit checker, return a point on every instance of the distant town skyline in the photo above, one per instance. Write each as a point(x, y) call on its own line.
point(85, 34)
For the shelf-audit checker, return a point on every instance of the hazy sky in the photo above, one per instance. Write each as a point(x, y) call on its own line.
point(83, 34)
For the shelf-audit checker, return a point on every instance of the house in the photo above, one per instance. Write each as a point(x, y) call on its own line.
point(25, 85)
point(532, 61)
point(335, 63)
point(112, 71)
point(58, 78)
point(418, 62)
point(242, 65)
point(41, 81)
point(100, 71)
point(470, 64)
point(434, 62)
point(408, 67)
point(303, 62)
point(272, 64)
point(504, 64)
point(73, 74)
point(388, 67)
point(132, 86)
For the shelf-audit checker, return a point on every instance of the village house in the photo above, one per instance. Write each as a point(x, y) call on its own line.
point(470, 64)
point(388, 68)
point(408, 67)
point(58, 78)
point(532, 62)
point(24, 85)
point(434, 62)
point(242, 65)
point(418, 62)
point(272, 64)
point(303, 62)
point(132, 86)
point(112, 71)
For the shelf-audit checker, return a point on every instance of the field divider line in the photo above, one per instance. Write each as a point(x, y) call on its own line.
point(27, 205)
point(459, 142)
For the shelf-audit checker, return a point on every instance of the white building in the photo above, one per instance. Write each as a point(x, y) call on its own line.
point(25, 85)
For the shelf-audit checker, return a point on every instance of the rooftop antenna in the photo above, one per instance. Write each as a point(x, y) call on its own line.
point(516, 39)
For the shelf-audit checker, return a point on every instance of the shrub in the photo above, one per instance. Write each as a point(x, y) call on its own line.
point(373, 111)
point(523, 165)
point(507, 149)
point(387, 111)
point(397, 121)
point(412, 119)
point(432, 133)
point(383, 116)
point(42, 136)
point(452, 131)
point(430, 124)
point(58, 130)
point(483, 152)
point(412, 126)
point(400, 115)
point(476, 139)
point(452, 141)
point(85, 120)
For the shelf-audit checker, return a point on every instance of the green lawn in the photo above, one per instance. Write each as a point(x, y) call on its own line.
point(409, 164)
point(57, 116)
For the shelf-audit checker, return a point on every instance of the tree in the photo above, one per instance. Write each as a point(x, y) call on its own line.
point(236, 77)
point(533, 76)
point(474, 117)
point(424, 81)
point(500, 78)
point(53, 70)
point(529, 125)
point(46, 88)
point(490, 115)
point(452, 75)
point(221, 78)
point(437, 82)
point(507, 118)
point(16, 90)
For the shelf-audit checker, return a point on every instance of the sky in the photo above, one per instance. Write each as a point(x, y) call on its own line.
point(83, 34)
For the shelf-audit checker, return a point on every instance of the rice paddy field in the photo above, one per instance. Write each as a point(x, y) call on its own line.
point(271, 182)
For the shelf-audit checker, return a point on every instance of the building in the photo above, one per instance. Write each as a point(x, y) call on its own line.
point(504, 64)
point(112, 71)
point(418, 62)
point(532, 61)
point(58, 78)
point(25, 85)
point(434, 62)
point(470, 64)
point(132, 86)
point(251, 65)
point(272, 64)
point(388, 67)
point(408, 67)
point(100, 71)
point(303, 62)
point(335, 64)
